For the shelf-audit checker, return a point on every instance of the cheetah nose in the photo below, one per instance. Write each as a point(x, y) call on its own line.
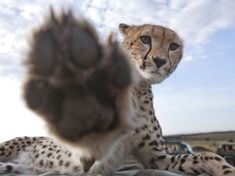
point(159, 62)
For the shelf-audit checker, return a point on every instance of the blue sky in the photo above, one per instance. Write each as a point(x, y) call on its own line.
point(198, 97)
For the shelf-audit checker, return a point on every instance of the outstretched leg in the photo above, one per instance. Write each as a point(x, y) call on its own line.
point(72, 79)
point(120, 151)
point(207, 162)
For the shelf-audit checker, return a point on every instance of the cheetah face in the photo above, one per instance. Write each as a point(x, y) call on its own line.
point(155, 50)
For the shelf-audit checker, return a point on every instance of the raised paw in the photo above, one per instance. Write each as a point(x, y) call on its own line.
point(72, 80)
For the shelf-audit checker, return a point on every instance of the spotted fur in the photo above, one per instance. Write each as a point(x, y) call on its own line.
point(38, 155)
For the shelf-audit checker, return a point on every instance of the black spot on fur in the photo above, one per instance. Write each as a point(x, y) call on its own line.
point(225, 167)
point(142, 108)
point(51, 164)
point(36, 156)
point(67, 164)
point(144, 127)
point(153, 143)
point(182, 161)
point(218, 158)
point(174, 164)
point(28, 142)
point(61, 162)
point(147, 137)
point(181, 169)
point(172, 159)
point(145, 93)
point(76, 168)
point(137, 130)
point(195, 171)
point(167, 167)
point(146, 102)
point(141, 145)
point(227, 172)
point(58, 157)
point(41, 163)
point(11, 147)
point(162, 157)
point(49, 154)
point(9, 168)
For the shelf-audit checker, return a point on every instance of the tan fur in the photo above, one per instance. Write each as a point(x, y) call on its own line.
point(161, 38)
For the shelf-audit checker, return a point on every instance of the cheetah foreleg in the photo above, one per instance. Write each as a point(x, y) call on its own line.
point(120, 151)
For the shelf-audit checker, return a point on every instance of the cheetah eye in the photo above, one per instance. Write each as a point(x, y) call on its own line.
point(173, 46)
point(145, 39)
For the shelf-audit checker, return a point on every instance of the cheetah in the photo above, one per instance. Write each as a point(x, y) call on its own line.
point(98, 97)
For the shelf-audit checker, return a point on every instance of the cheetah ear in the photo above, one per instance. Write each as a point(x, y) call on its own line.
point(123, 28)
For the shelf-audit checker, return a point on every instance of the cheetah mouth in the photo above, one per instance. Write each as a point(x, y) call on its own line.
point(155, 72)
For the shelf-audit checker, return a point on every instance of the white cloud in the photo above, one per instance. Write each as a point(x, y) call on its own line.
point(188, 58)
point(198, 20)
point(16, 119)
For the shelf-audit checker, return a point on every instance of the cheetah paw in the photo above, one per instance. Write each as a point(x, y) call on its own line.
point(72, 80)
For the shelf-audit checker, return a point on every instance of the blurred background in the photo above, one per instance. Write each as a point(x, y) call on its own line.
point(200, 95)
